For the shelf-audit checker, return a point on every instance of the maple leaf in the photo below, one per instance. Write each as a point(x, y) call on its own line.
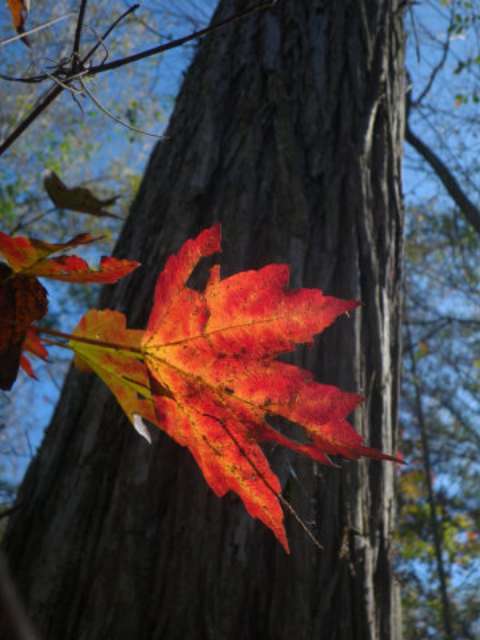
point(23, 300)
point(34, 345)
point(205, 371)
point(77, 198)
point(212, 355)
point(117, 364)
point(31, 257)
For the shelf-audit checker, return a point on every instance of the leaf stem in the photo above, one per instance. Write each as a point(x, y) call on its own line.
point(54, 343)
point(98, 343)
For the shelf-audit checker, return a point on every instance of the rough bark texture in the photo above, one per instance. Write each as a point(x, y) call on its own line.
point(288, 129)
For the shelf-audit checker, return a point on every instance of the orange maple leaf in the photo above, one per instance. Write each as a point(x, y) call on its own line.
point(213, 353)
point(30, 256)
point(118, 364)
point(210, 377)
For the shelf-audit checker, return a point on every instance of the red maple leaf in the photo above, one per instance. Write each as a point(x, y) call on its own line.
point(23, 300)
point(31, 257)
point(205, 371)
point(35, 346)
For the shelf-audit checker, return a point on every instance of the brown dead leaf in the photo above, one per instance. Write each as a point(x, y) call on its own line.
point(19, 10)
point(77, 199)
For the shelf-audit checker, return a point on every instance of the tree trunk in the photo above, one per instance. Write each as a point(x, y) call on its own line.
point(288, 129)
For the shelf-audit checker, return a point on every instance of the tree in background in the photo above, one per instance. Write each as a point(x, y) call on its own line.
point(439, 514)
point(439, 490)
point(288, 129)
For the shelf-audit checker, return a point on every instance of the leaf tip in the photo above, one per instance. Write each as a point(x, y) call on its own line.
point(351, 305)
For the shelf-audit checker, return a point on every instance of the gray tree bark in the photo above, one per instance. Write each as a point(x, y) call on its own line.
point(288, 129)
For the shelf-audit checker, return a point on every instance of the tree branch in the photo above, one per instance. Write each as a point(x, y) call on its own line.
point(431, 498)
point(78, 36)
point(436, 70)
point(112, 116)
point(57, 89)
point(458, 195)
point(40, 27)
point(173, 44)
point(32, 116)
point(115, 64)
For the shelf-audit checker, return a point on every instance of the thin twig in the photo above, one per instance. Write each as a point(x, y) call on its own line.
point(112, 116)
point(27, 80)
point(65, 86)
point(22, 225)
point(101, 43)
point(78, 37)
point(121, 62)
point(40, 27)
point(32, 116)
point(435, 526)
point(113, 26)
point(277, 494)
point(439, 66)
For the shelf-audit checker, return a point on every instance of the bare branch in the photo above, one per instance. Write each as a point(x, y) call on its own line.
point(28, 79)
point(101, 40)
point(446, 177)
point(115, 64)
point(173, 44)
point(78, 36)
point(112, 116)
point(55, 91)
point(451, 184)
point(436, 70)
point(32, 116)
point(432, 501)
